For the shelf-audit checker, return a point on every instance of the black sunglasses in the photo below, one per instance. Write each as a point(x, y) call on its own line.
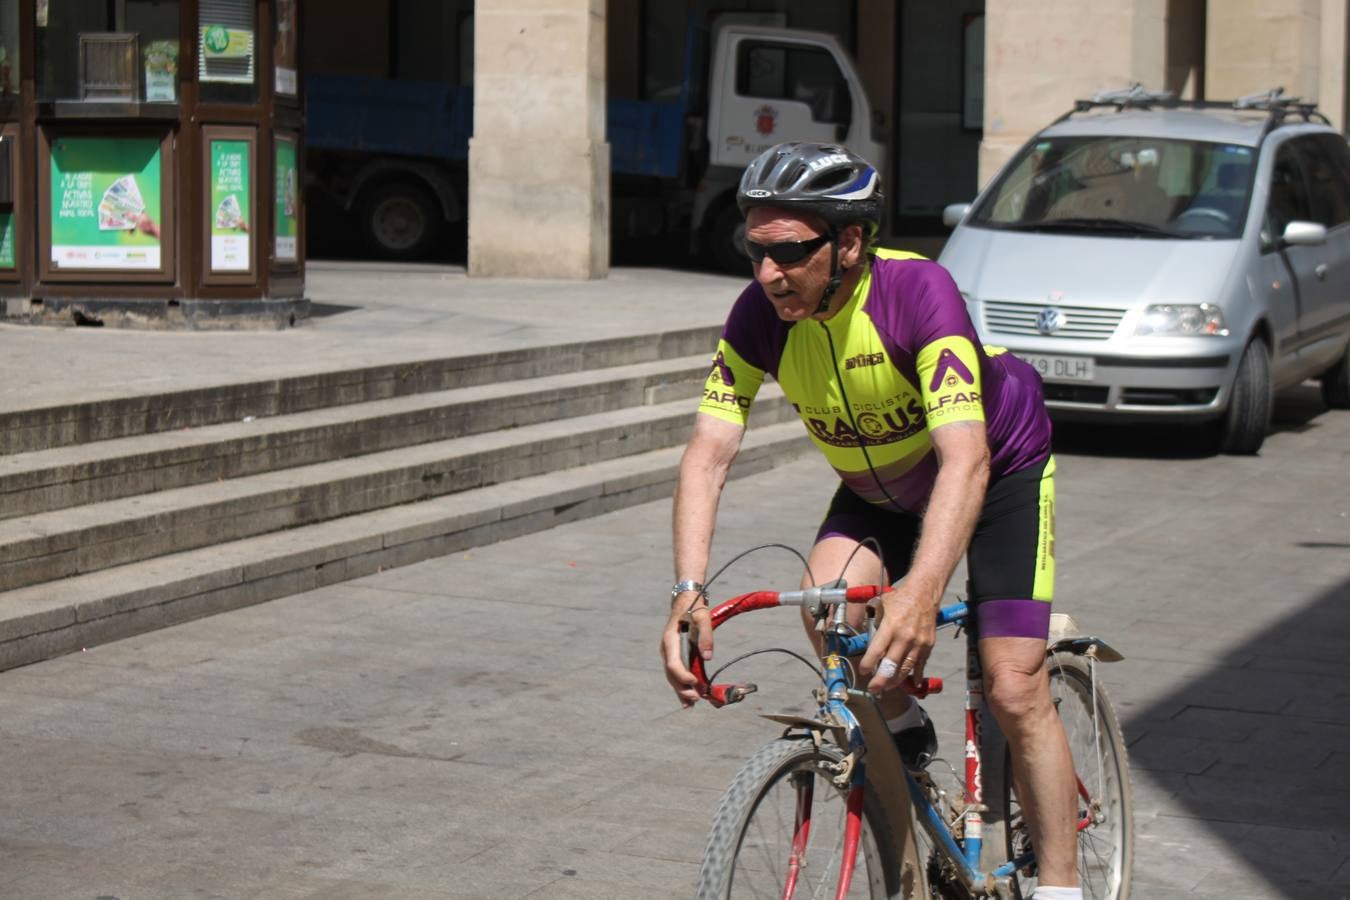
point(785, 253)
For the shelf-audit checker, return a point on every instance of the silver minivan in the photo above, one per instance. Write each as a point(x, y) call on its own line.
point(1160, 260)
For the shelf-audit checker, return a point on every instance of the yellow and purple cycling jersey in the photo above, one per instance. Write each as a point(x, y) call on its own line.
point(899, 359)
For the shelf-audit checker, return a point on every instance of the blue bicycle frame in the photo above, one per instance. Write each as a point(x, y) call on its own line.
point(964, 854)
point(862, 725)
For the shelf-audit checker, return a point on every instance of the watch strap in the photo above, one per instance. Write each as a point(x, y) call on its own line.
point(681, 587)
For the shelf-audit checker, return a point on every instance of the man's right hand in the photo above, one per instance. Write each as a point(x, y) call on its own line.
point(682, 681)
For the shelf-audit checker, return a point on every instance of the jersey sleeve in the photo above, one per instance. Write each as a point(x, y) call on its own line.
point(947, 359)
point(731, 386)
point(745, 353)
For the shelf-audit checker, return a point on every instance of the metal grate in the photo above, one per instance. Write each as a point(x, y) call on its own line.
point(233, 20)
point(1168, 397)
point(1083, 322)
point(108, 66)
point(1076, 393)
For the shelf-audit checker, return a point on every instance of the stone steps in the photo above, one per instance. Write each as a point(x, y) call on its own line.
point(200, 501)
point(42, 481)
point(80, 540)
point(47, 620)
point(43, 428)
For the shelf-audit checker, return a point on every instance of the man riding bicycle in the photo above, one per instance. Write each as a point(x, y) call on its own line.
point(942, 447)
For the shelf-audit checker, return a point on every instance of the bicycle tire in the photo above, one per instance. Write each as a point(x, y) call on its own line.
point(747, 848)
point(1072, 686)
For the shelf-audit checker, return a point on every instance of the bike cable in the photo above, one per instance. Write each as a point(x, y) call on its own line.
point(703, 594)
point(848, 411)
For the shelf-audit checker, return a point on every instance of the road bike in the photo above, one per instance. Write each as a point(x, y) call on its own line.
point(828, 808)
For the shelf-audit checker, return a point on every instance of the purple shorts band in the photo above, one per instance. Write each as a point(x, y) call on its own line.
point(1013, 618)
point(898, 537)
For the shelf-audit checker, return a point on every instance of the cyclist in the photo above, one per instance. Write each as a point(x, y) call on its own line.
point(942, 447)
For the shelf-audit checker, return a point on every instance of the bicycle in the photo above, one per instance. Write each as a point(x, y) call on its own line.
point(774, 833)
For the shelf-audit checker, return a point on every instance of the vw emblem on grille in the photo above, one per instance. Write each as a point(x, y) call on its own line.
point(1050, 320)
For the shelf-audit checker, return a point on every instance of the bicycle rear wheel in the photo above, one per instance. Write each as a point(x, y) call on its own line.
point(1105, 805)
point(784, 785)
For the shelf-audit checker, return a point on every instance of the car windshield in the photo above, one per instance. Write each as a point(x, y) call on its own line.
point(1132, 186)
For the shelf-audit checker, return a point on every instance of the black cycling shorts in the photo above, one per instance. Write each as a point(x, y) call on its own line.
point(1011, 559)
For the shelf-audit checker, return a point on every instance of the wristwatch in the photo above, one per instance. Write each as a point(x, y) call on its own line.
point(680, 587)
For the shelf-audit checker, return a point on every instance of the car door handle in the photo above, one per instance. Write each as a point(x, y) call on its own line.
point(1321, 271)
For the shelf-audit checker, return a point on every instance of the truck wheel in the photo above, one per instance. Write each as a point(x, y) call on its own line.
point(401, 220)
point(1243, 427)
point(1336, 383)
point(722, 247)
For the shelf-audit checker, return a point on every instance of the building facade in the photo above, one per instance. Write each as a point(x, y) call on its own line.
point(150, 162)
point(961, 85)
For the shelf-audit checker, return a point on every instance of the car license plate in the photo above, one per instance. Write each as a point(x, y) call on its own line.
point(1061, 368)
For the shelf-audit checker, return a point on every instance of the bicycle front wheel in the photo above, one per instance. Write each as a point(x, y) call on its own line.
point(779, 833)
point(1105, 804)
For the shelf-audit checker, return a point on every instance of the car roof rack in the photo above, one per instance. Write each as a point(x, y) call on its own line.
point(1279, 106)
point(1136, 96)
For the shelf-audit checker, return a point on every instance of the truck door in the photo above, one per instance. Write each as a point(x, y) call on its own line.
point(774, 85)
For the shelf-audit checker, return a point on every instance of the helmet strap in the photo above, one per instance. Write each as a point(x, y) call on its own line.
point(836, 273)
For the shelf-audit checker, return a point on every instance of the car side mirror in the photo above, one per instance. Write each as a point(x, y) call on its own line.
point(1304, 234)
point(953, 213)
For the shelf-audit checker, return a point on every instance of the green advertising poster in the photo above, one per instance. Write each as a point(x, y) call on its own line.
point(230, 214)
point(288, 227)
point(6, 240)
point(105, 203)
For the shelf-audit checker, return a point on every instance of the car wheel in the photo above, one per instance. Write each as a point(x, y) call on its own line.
point(401, 220)
point(722, 243)
point(1336, 383)
point(1243, 427)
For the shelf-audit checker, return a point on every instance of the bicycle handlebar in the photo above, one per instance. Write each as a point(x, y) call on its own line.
point(813, 598)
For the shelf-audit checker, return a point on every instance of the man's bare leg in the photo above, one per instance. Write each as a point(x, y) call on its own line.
point(828, 561)
point(1017, 686)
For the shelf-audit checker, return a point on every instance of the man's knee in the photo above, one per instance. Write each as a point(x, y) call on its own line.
point(1016, 695)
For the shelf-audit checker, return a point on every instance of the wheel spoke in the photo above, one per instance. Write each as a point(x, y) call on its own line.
point(759, 824)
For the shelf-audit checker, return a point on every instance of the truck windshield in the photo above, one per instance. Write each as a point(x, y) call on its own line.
point(1140, 187)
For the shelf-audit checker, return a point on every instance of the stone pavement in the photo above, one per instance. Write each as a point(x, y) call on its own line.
point(493, 724)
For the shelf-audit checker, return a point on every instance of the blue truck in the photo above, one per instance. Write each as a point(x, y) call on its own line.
point(395, 152)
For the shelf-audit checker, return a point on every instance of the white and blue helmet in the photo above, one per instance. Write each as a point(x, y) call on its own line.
point(828, 180)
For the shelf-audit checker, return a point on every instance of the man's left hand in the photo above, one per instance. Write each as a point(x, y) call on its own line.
point(904, 637)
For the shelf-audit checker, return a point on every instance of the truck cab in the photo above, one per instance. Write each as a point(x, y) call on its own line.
point(395, 152)
point(769, 85)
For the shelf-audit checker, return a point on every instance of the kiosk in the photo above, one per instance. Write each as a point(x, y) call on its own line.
point(150, 163)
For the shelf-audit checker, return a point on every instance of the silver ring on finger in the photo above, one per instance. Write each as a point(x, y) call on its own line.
point(887, 668)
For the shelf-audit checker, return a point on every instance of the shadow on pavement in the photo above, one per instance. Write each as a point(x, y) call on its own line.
point(1255, 749)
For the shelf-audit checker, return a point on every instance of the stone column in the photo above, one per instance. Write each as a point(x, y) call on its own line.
point(538, 160)
point(1256, 45)
point(1333, 92)
point(1042, 55)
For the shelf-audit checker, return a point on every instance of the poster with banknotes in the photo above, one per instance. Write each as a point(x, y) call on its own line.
point(287, 201)
point(229, 208)
point(106, 204)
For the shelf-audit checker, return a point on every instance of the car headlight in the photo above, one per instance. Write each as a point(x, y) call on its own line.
point(1176, 318)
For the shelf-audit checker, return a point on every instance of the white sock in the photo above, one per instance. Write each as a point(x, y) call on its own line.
point(1044, 892)
point(910, 718)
